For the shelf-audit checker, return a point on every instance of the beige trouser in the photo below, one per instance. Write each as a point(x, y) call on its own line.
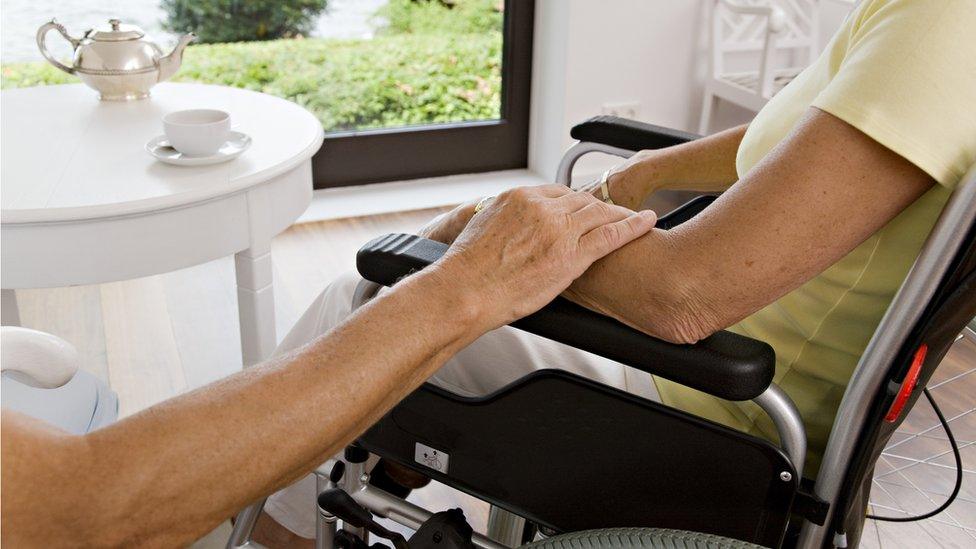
point(496, 359)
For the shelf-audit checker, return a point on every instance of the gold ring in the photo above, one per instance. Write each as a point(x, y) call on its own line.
point(482, 203)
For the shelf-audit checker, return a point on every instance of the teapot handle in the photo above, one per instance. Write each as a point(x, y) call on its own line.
point(42, 32)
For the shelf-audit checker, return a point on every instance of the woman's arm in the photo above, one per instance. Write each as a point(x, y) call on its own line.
point(169, 474)
point(815, 197)
point(706, 165)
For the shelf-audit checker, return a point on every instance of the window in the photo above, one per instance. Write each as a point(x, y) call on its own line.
point(492, 140)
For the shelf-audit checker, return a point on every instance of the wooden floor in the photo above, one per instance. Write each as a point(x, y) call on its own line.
point(156, 337)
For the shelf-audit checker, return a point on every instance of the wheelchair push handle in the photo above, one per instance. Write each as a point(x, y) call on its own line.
point(725, 364)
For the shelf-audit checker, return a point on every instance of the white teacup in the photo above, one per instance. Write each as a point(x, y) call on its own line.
point(197, 132)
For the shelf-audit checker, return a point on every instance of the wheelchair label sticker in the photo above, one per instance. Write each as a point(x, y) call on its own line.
point(429, 457)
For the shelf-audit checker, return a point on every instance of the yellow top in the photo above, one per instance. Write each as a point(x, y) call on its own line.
point(904, 73)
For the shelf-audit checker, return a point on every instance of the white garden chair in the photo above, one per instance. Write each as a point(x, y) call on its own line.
point(773, 29)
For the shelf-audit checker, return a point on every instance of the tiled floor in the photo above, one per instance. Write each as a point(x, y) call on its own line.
point(917, 471)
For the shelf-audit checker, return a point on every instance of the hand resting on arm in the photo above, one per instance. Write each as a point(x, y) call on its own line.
point(814, 198)
point(169, 474)
point(822, 191)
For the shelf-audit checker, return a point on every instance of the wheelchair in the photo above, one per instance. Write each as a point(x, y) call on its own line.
point(582, 465)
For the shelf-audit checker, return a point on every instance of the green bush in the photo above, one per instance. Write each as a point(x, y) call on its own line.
point(441, 16)
point(430, 63)
point(392, 80)
point(37, 73)
point(216, 21)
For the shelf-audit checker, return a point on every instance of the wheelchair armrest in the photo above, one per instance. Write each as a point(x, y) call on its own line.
point(684, 212)
point(628, 134)
point(725, 364)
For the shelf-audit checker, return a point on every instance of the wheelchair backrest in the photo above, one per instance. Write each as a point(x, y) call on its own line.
point(935, 303)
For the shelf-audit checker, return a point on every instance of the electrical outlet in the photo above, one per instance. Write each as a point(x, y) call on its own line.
point(630, 109)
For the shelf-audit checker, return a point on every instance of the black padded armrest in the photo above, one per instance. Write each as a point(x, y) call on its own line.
point(726, 365)
point(628, 134)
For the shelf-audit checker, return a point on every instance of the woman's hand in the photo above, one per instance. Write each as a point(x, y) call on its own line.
point(530, 243)
point(633, 180)
point(629, 184)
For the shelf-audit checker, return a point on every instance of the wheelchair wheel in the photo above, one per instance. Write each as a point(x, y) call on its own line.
point(639, 538)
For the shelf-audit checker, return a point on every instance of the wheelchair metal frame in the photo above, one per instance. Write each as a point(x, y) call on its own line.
point(777, 405)
point(505, 529)
point(934, 260)
point(919, 285)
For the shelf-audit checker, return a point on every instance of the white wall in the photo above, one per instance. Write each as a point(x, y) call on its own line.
point(591, 52)
point(588, 53)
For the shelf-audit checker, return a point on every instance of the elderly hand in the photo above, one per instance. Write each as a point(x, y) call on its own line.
point(527, 246)
point(631, 181)
point(629, 184)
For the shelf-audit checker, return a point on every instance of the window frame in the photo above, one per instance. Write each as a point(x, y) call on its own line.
point(411, 152)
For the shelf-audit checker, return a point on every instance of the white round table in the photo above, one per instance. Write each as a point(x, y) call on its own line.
point(84, 203)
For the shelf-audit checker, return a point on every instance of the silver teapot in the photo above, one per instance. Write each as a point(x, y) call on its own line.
point(117, 60)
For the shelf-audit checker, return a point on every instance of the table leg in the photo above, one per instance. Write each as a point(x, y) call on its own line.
point(255, 303)
point(9, 314)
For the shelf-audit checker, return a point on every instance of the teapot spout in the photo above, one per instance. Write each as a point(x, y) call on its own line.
point(169, 64)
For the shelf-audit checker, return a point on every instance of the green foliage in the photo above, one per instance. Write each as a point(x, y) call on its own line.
point(392, 80)
point(216, 21)
point(40, 73)
point(433, 61)
point(442, 16)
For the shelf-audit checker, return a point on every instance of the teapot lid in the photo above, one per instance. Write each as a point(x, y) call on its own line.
point(115, 31)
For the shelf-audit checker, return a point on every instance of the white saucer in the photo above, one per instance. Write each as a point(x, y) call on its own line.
point(236, 144)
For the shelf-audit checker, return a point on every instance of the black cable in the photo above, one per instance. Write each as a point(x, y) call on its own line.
point(955, 453)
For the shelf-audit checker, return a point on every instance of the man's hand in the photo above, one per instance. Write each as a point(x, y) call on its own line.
point(530, 243)
point(630, 183)
point(514, 257)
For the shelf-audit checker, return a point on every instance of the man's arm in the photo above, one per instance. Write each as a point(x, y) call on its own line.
point(171, 473)
point(181, 467)
point(814, 198)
